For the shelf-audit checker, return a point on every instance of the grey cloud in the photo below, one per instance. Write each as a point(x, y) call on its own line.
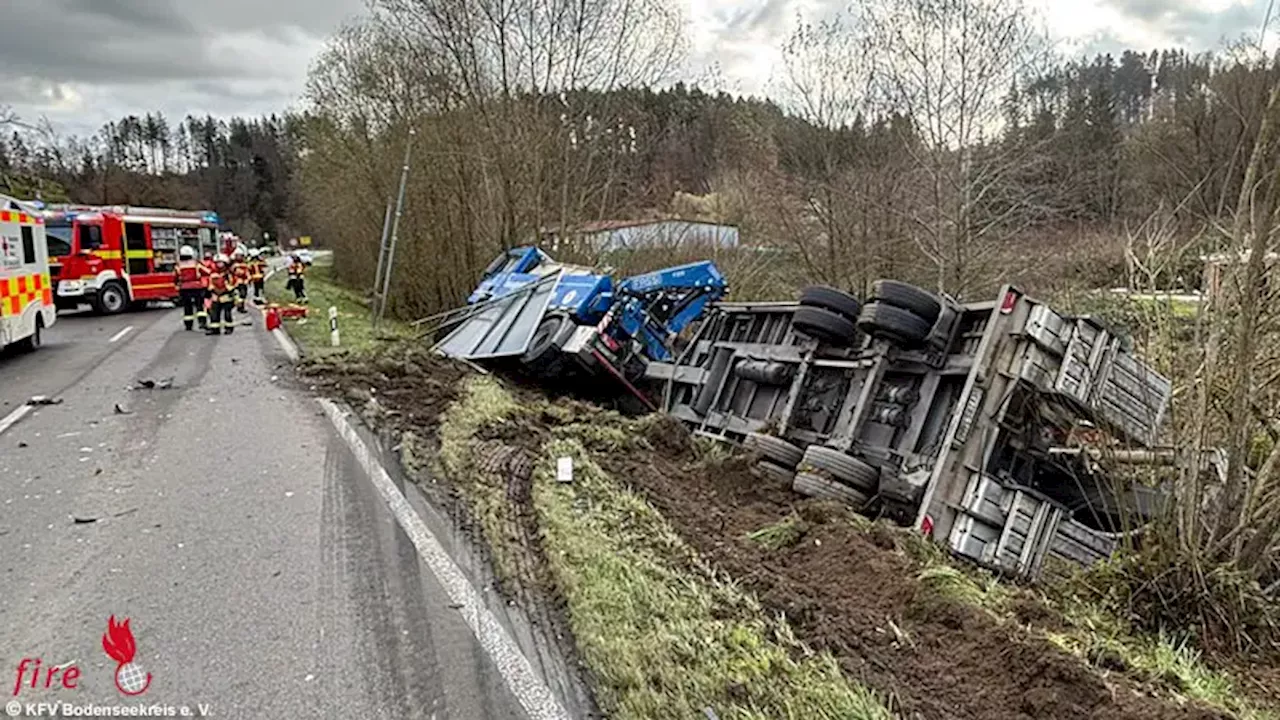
point(764, 16)
point(160, 15)
point(1185, 23)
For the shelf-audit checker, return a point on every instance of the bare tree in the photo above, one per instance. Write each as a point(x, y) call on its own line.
point(948, 64)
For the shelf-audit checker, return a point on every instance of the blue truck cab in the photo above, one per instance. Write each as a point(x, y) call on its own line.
point(582, 293)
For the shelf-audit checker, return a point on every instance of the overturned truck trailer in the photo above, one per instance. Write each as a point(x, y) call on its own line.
point(960, 419)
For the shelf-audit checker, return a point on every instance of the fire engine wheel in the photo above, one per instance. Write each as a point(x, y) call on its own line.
point(774, 449)
point(893, 323)
point(922, 303)
point(824, 325)
point(773, 471)
point(111, 299)
point(845, 468)
point(816, 486)
point(829, 298)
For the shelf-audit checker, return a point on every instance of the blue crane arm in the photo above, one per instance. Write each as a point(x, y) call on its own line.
point(656, 306)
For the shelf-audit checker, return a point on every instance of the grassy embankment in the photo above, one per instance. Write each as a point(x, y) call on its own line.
point(354, 326)
point(661, 632)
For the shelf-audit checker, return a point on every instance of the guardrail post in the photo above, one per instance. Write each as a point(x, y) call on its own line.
point(333, 326)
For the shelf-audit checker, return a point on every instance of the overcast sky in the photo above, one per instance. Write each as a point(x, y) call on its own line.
point(83, 62)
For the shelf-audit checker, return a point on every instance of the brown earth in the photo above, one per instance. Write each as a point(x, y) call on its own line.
point(844, 590)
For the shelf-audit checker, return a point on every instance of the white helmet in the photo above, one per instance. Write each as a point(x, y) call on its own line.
point(186, 252)
point(221, 258)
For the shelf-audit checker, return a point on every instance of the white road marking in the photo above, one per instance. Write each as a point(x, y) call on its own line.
point(121, 334)
point(12, 418)
point(533, 694)
point(287, 343)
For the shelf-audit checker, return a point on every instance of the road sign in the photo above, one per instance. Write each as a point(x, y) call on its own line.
point(304, 240)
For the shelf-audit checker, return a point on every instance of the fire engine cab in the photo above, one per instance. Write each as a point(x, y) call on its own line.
point(112, 257)
point(26, 298)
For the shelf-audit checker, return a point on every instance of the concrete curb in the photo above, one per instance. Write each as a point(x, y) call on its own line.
point(516, 670)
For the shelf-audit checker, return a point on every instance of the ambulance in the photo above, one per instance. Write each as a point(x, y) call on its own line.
point(26, 296)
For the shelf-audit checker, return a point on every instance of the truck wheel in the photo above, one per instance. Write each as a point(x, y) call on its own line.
point(893, 323)
point(816, 486)
point(111, 299)
point(824, 325)
point(908, 297)
point(541, 353)
point(847, 468)
point(773, 471)
point(774, 449)
point(829, 298)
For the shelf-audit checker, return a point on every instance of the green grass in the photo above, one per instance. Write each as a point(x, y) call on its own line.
point(663, 634)
point(660, 632)
point(483, 404)
point(354, 327)
point(1164, 660)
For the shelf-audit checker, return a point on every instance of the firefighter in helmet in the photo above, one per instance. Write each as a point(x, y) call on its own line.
point(243, 276)
point(191, 279)
point(297, 278)
point(222, 292)
point(257, 273)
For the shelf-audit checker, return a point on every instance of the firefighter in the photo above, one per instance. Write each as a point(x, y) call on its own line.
point(211, 267)
point(258, 274)
point(297, 278)
point(222, 293)
point(191, 279)
point(243, 275)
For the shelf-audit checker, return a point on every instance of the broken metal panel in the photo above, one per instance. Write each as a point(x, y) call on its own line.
point(503, 327)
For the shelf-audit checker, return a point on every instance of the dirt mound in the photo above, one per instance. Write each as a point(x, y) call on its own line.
point(854, 594)
point(411, 384)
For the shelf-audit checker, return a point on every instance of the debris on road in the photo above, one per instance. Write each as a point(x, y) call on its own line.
point(120, 410)
point(150, 384)
point(83, 520)
point(22, 444)
point(44, 400)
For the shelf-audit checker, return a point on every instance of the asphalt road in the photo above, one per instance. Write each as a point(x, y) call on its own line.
point(262, 574)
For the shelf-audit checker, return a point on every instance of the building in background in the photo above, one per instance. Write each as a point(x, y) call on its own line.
point(613, 235)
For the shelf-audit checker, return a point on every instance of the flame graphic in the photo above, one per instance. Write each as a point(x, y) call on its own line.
point(118, 641)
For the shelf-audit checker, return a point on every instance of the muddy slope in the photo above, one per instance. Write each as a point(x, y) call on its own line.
point(844, 590)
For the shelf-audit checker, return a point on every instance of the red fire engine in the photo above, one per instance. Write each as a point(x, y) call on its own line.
point(111, 257)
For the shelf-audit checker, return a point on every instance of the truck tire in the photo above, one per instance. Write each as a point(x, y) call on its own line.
point(542, 352)
point(847, 468)
point(825, 326)
point(816, 486)
point(773, 471)
point(893, 323)
point(111, 299)
point(922, 303)
point(829, 298)
point(775, 449)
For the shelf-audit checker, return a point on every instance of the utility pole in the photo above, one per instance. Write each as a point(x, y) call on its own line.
point(395, 231)
point(382, 257)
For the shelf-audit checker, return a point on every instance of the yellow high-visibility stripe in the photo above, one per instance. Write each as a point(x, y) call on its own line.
point(107, 254)
point(138, 254)
point(16, 293)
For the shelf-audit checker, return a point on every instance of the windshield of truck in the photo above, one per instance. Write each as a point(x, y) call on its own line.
point(59, 238)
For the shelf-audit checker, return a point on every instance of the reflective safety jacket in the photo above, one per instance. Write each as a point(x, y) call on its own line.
point(241, 272)
point(257, 269)
point(191, 275)
point(222, 286)
point(297, 269)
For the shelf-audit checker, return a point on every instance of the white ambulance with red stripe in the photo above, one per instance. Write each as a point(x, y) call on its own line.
point(26, 296)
